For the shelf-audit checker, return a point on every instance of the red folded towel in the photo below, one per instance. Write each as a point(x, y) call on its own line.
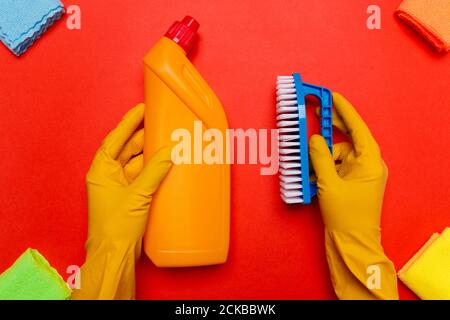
point(431, 18)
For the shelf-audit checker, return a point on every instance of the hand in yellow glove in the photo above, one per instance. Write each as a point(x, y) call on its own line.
point(119, 190)
point(350, 194)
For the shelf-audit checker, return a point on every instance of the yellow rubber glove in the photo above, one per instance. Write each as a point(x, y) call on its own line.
point(350, 194)
point(119, 191)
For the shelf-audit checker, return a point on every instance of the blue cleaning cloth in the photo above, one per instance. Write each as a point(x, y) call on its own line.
point(22, 22)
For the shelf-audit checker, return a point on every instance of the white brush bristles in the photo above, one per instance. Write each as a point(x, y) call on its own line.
point(289, 141)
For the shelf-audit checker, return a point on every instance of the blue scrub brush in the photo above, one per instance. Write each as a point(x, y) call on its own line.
point(295, 184)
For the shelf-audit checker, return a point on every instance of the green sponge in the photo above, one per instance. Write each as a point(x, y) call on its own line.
point(31, 277)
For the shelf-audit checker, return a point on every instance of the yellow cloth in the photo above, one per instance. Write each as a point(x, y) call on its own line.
point(119, 191)
point(430, 18)
point(428, 271)
point(350, 196)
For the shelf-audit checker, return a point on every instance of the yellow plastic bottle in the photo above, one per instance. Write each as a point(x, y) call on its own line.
point(189, 218)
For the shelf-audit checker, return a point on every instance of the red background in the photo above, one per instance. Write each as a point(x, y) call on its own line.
point(61, 98)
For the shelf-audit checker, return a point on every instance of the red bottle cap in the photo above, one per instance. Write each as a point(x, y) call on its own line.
point(184, 33)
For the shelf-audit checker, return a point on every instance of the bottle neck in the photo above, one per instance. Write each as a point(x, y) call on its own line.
point(184, 33)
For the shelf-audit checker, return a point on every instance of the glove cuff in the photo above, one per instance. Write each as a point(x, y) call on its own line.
point(358, 265)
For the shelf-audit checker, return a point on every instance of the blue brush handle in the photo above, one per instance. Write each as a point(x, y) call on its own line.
point(326, 128)
point(326, 102)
